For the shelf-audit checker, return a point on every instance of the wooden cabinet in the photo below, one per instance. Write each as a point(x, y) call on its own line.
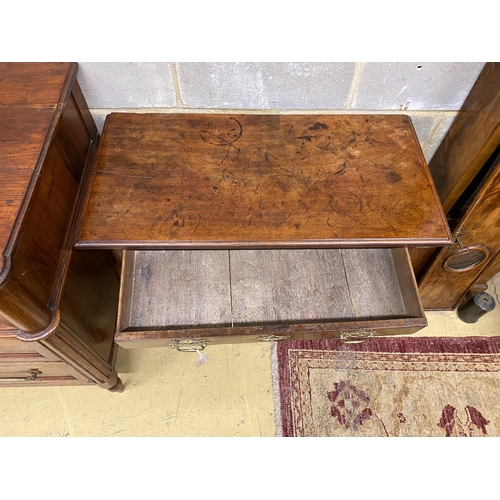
point(23, 363)
point(240, 228)
point(466, 169)
point(454, 271)
point(57, 305)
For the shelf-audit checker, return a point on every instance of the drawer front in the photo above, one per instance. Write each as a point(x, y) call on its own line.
point(199, 339)
point(221, 297)
point(12, 349)
point(35, 373)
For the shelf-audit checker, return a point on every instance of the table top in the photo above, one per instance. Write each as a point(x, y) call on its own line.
point(251, 180)
point(31, 95)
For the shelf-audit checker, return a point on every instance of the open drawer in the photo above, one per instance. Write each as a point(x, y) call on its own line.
point(188, 299)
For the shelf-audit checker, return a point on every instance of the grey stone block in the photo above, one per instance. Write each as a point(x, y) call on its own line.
point(265, 85)
point(432, 145)
point(126, 84)
point(424, 125)
point(417, 86)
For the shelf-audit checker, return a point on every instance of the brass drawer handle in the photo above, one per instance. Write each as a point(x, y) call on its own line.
point(32, 376)
point(273, 338)
point(188, 345)
point(356, 336)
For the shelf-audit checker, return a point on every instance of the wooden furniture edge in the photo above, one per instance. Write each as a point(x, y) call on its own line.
point(481, 105)
point(17, 227)
point(432, 186)
point(291, 244)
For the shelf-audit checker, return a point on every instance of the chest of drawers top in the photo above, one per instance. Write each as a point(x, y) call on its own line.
point(164, 181)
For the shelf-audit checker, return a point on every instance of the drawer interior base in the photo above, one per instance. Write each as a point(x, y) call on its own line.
point(181, 289)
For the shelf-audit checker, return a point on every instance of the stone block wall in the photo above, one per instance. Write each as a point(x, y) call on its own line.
point(430, 93)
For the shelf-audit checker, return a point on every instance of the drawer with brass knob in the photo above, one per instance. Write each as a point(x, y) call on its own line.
point(37, 372)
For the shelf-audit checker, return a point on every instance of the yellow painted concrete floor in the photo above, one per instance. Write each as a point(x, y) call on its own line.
point(167, 395)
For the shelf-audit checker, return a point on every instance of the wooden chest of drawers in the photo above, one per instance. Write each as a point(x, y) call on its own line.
point(57, 306)
point(261, 227)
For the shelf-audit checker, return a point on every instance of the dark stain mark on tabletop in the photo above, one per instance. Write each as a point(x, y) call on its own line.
point(393, 177)
point(318, 125)
point(341, 169)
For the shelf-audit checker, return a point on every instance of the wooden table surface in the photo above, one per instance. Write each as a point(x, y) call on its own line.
point(241, 181)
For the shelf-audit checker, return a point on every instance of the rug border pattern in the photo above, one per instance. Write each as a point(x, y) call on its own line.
point(475, 354)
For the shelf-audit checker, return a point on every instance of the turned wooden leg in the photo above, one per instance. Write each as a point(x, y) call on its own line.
point(118, 387)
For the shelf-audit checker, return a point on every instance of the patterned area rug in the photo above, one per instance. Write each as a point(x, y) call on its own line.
point(388, 387)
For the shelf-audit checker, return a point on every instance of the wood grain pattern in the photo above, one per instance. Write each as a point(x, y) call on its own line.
point(471, 139)
point(54, 301)
point(27, 293)
point(31, 99)
point(281, 286)
point(242, 181)
point(490, 270)
point(373, 283)
point(51, 373)
point(22, 141)
point(407, 282)
point(43, 175)
point(480, 225)
point(15, 349)
point(139, 339)
point(273, 292)
point(468, 148)
point(32, 85)
point(180, 288)
point(421, 257)
point(81, 358)
point(89, 299)
point(83, 109)
point(125, 294)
